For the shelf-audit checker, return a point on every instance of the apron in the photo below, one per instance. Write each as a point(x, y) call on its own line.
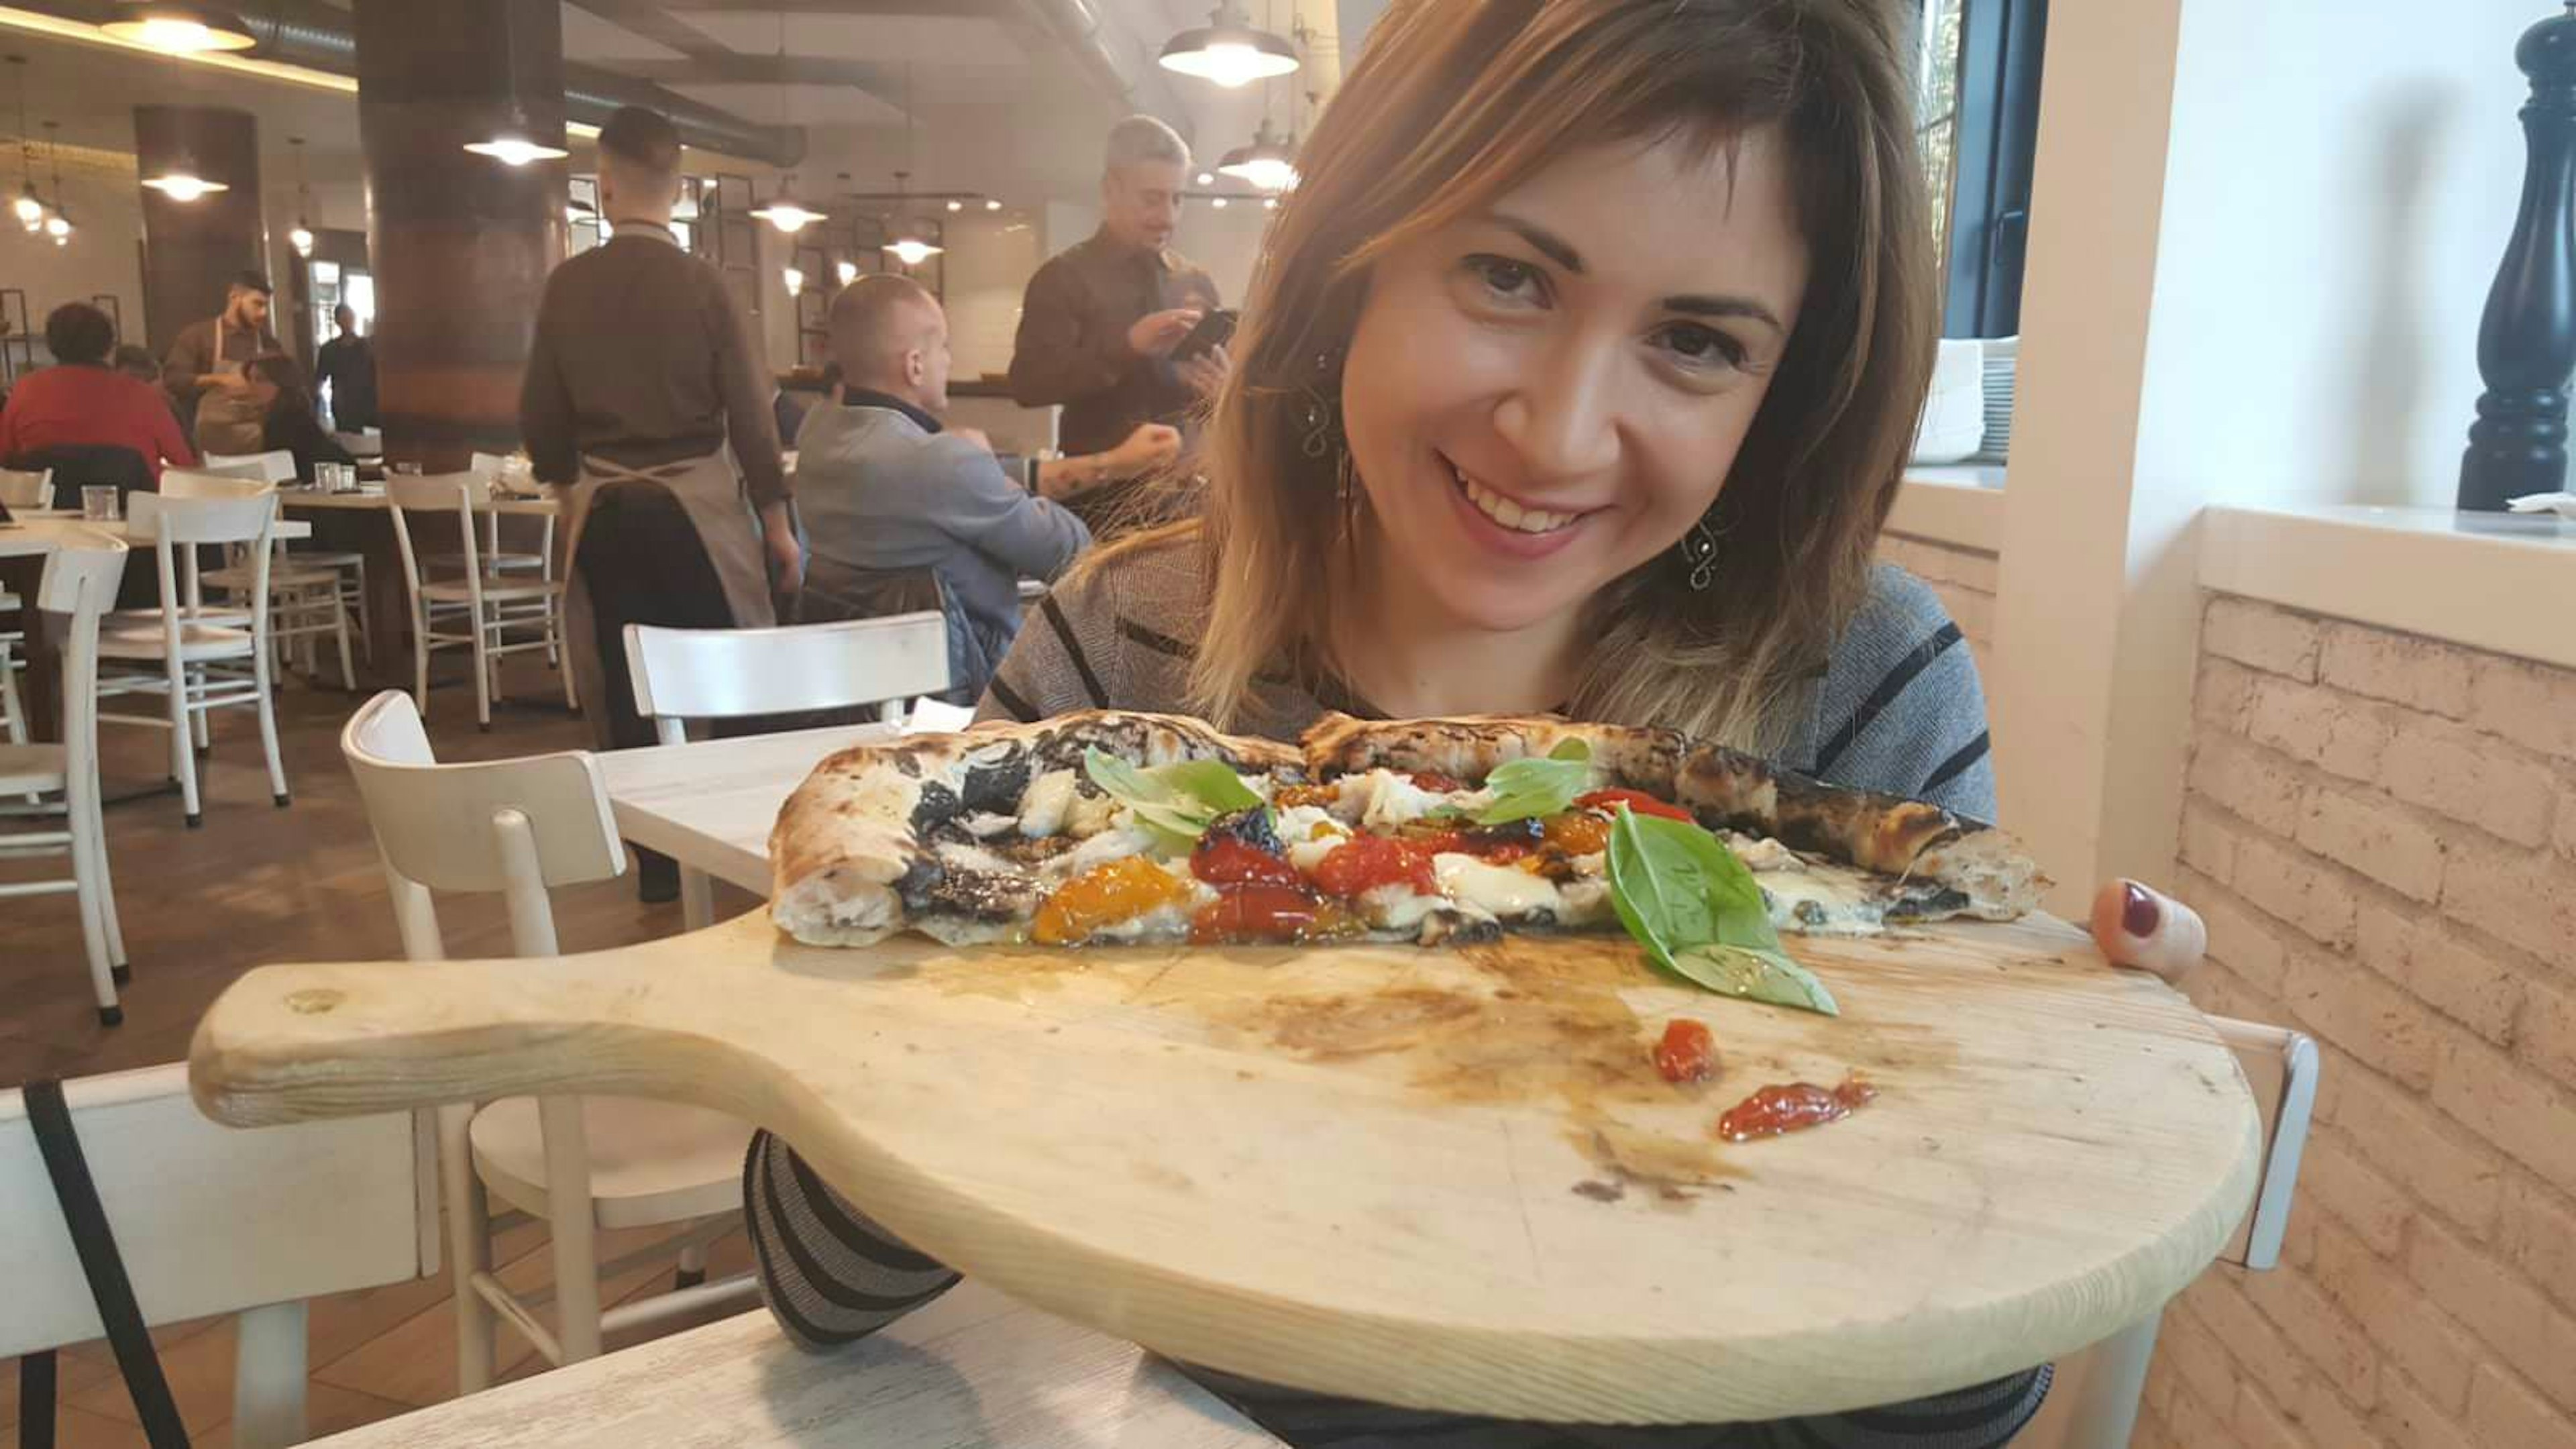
point(709, 490)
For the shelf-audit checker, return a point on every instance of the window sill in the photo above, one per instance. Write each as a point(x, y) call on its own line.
point(1960, 506)
point(2497, 582)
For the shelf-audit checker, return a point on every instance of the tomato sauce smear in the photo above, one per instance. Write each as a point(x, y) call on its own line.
point(1688, 1053)
point(1793, 1107)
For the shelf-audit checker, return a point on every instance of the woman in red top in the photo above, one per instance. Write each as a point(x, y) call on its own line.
point(81, 401)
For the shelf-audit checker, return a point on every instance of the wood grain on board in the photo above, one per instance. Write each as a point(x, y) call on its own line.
point(1437, 1179)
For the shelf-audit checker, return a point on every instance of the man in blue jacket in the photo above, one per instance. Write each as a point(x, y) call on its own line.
point(892, 496)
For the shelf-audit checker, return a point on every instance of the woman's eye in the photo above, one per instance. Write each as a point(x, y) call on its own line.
point(1701, 347)
point(1514, 280)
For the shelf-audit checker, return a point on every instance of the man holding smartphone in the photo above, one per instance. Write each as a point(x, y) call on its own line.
point(1104, 323)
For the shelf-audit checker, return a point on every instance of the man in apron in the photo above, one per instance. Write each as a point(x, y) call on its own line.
point(646, 399)
point(204, 369)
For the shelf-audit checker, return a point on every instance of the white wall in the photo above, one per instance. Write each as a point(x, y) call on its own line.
point(1226, 241)
point(100, 260)
point(989, 263)
point(2340, 179)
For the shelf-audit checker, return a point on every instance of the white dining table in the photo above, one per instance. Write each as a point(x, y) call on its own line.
point(710, 803)
point(43, 530)
point(970, 1370)
point(374, 500)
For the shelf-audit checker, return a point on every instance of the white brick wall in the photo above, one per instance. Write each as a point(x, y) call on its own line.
point(2381, 832)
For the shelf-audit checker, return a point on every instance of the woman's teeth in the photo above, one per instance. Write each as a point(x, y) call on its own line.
point(1506, 512)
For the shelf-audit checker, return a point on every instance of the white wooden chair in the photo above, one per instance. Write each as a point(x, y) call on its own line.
point(348, 566)
point(522, 827)
point(2094, 1402)
point(684, 674)
point(22, 488)
point(207, 660)
point(491, 616)
point(308, 598)
point(80, 578)
point(274, 466)
point(493, 467)
point(209, 1220)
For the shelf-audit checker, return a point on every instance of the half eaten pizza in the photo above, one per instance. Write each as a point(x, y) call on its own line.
point(1112, 827)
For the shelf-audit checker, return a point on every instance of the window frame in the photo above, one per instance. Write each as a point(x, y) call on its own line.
point(1994, 140)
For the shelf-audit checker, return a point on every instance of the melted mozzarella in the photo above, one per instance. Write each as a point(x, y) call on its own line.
point(984, 824)
point(1100, 849)
point(1823, 901)
point(1501, 891)
point(1307, 846)
point(1088, 815)
point(1044, 803)
point(1761, 854)
point(1587, 903)
point(1396, 907)
point(1382, 800)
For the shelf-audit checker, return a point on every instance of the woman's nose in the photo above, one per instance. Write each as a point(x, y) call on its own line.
point(1563, 419)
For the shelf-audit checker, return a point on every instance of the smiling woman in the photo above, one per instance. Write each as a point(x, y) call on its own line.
point(1577, 375)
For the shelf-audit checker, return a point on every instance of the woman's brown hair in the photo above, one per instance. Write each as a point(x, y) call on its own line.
point(1455, 102)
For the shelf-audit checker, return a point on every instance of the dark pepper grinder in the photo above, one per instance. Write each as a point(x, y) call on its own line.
point(2527, 339)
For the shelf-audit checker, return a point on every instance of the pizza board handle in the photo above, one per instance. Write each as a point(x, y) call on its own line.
point(301, 1042)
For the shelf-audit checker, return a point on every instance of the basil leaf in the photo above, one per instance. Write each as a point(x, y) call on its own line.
point(1530, 787)
point(1699, 913)
point(1756, 975)
point(1212, 783)
point(1177, 801)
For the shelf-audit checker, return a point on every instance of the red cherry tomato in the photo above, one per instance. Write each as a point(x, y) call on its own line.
point(1687, 1053)
point(1259, 911)
point(1226, 860)
point(1365, 862)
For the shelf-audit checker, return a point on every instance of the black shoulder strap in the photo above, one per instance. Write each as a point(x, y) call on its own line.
point(108, 1286)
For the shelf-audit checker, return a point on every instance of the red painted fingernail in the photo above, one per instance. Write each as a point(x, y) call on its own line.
point(2138, 911)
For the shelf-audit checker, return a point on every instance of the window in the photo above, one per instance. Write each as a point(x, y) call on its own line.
point(1978, 79)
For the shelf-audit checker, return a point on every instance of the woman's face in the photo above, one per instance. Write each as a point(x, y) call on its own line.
point(1550, 392)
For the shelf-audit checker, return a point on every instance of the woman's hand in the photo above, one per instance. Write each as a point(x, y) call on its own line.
point(2139, 928)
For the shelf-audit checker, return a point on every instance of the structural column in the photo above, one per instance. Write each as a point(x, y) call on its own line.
point(192, 249)
point(460, 243)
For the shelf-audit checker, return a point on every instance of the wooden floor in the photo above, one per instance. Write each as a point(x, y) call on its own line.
point(258, 884)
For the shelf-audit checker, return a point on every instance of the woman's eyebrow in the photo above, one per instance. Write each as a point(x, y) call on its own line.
point(1745, 307)
point(1560, 251)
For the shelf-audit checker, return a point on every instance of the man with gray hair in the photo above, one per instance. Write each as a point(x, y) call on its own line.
point(1101, 319)
point(904, 512)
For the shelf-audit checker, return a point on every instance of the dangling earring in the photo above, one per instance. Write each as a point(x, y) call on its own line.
point(1320, 415)
point(1699, 550)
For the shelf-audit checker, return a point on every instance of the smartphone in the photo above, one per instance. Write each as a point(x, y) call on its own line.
point(1213, 330)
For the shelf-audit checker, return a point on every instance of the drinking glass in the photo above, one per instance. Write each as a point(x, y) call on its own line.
point(98, 504)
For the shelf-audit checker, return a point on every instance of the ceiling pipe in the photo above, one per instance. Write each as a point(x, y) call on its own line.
point(1123, 66)
point(318, 37)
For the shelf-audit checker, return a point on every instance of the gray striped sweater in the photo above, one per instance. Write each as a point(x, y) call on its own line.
point(1899, 710)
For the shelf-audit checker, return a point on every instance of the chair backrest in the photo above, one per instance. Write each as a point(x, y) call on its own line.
point(178, 519)
point(202, 483)
point(519, 827)
point(208, 1219)
point(460, 494)
point(274, 466)
point(26, 488)
point(80, 581)
point(684, 674)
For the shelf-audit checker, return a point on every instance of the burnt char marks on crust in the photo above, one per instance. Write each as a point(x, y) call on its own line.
point(996, 787)
point(932, 887)
point(1728, 789)
point(1019, 849)
point(1468, 748)
point(938, 806)
point(1149, 739)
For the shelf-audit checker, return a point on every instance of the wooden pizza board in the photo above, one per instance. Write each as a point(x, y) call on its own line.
point(1438, 1179)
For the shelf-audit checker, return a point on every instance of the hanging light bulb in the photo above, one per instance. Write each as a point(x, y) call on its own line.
point(301, 238)
point(179, 29)
point(516, 142)
point(908, 243)
point(1229, 50)
point(795, 281)
point(847, 271)
point(28, 207)
point(785, 212)
point(956, 205)
point(1270, 203)
point(59, 227)
point(1219, 203)
point(180, 182)
point(992, 203)
point(1207, 178)
point(58, 219)
point(912, 250)
point(1266, 163)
